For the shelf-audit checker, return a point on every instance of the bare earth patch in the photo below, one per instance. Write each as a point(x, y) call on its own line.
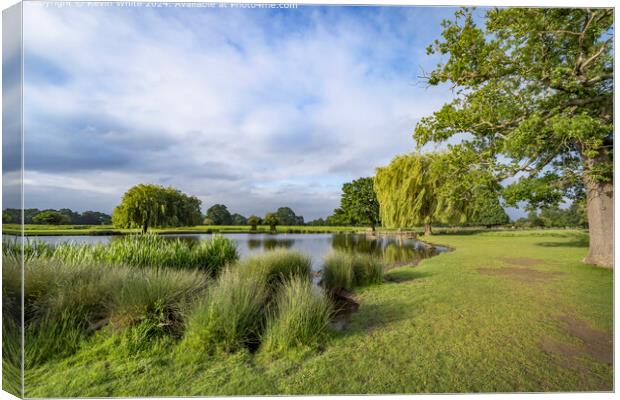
point(596, 344)
point(524, 261)
point(521, 274)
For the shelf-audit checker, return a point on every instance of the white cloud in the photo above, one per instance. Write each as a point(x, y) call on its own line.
point(238, 108)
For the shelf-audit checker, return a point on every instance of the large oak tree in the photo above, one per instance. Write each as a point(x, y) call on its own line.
point(533, 101)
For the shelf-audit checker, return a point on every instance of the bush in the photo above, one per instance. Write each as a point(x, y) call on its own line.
point(231, 315)
point(300, 319)
point(343, 271)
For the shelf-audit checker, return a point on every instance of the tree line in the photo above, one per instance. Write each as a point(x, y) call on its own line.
point(63, 216)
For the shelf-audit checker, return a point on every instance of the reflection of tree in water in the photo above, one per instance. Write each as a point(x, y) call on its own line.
point(273, 243)
point(357, 243)
point(254, 244)
point(392, 249)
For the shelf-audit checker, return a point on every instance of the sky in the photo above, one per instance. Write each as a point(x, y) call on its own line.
point(252, 108)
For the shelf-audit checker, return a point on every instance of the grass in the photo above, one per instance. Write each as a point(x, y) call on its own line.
point(97, 230)
point(231, 316)
point(344, 271)
point(144, 251)
point(63, 302)
point(276, 266)
point(300, 319)
point(442, 326)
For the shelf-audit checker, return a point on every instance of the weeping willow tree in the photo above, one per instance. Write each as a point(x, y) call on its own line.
point(421, 189)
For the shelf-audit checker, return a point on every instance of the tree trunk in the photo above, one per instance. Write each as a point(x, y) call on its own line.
point(428, 231)
point(145, 227)
point(600, 206)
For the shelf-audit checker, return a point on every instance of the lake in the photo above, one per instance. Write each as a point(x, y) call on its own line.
point(393, 249)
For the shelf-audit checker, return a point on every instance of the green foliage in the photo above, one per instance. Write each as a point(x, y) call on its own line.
point(7, 218)
point(534, 85)
point(300, 318)
point(51, 218)
point(345, 270)
point(359, 203)
point(489, 213)
point(408, 191)
point(254, 221)
point(219, 215)
point(286, 216)
point(573, 216)
point(271, 219)
point(238, 219)
point(145, 206)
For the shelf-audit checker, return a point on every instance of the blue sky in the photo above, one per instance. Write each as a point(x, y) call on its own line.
point(252, 108)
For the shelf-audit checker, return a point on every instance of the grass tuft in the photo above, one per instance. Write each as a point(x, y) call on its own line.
point(300, 318)
point(344, 271)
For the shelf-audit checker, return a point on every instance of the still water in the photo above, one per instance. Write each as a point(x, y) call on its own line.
point(394, 250)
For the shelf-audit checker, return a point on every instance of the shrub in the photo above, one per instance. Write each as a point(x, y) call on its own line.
point(300, 319)
point(231, 315)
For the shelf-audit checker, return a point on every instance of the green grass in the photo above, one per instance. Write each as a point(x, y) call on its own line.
point(98, 230)
point(300, 319)
point(143, 251)
point(442, 326)
point(344, 270)
point(276, 266)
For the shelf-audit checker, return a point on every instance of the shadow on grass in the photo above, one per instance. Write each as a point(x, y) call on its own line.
point(376, 316)
point(576, 242)
point(405, 275)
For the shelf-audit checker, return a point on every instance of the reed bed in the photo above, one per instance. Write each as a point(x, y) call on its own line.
point(344, 271)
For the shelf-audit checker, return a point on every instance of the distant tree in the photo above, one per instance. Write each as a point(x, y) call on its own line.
point(7, 218)
point(74, 217)
point(316, 222)
point(254, 221)
point(94, 218)
point(238, 219)
point(489, 213)
point(147, 206)
point(219, 214)
point(51, 217)
point(271, 219)
point(359, 203)
point(207, 221)
point(338, 218)
point(286, 216)
point(556, 217)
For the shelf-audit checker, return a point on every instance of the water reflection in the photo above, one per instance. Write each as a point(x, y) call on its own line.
point(393, 249)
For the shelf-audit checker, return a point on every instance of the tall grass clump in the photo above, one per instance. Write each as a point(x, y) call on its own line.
point(343, 271)
point(65, 303)
point(277, 266)
point(300, 318)
point(157, 301)
point(144, 251)
point(231, 315)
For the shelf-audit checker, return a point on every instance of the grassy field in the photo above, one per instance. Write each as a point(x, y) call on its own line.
point(505, 311)
point(59, 230)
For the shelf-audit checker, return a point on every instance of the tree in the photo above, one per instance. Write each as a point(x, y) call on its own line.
point(490, 213)
point(536, 87)
point(238, 219)
point(145, 206)
point(254, 221)
point(408, 192)
point(359, 202)
point(7, 218)
point(94, 218)
point(338, 218)
point(219, 214)
point(271, 219)
point(51, 217)
point(286, 216)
